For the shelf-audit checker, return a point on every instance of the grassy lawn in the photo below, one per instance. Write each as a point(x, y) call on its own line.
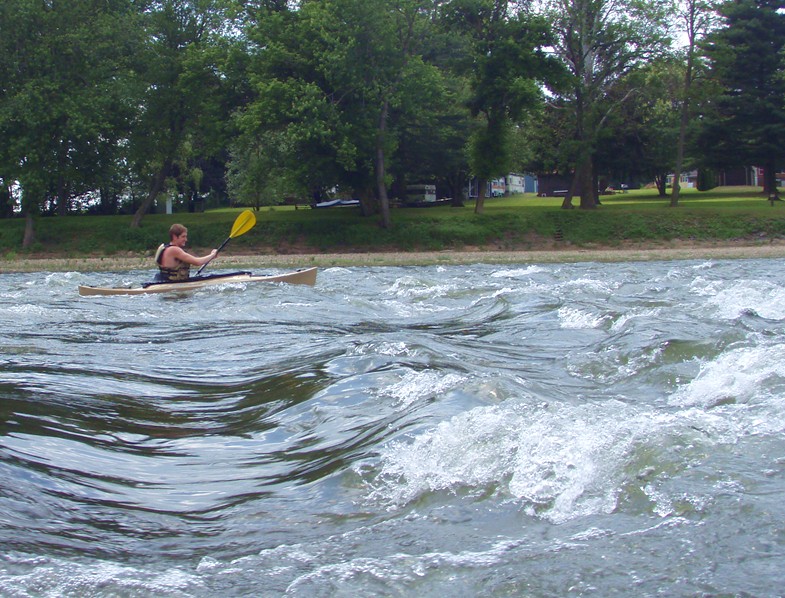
point(517, 222)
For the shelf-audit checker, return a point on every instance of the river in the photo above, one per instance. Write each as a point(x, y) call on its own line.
point(536, 430)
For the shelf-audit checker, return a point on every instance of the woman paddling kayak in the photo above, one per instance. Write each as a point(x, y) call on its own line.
point(174, 263)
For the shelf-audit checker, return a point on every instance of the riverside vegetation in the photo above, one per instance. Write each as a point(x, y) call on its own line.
point(516, 223)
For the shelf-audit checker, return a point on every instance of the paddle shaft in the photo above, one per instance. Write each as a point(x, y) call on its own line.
point(242, 224)
point(216, 255)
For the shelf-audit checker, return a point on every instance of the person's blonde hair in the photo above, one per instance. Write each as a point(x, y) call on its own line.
point(176, 230)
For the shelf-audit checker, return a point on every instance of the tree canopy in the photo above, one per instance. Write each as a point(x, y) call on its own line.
point(748, 114)
point(109, 106)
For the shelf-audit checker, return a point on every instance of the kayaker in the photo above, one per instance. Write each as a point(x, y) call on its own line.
point(174, 263)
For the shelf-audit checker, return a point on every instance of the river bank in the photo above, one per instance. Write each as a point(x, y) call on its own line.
point(623, 253)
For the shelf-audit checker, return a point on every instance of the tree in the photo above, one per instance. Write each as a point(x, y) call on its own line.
point(184, 108)
point(294, 134)
point(600, 41)
point(747, 122)
point(63, 103)
point(506, 66)
point(331, 81)
point(698, 18)
point(638, 139)
point(431, 145)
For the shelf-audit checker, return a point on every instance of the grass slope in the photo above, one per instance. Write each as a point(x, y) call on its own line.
point(513, 223)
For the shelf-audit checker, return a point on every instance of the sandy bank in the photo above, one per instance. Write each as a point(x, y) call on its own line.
point(674, 251)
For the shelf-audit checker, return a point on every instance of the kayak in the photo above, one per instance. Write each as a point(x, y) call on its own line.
point(305, 276)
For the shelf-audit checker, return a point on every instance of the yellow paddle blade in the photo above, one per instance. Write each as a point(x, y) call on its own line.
point(244, 222)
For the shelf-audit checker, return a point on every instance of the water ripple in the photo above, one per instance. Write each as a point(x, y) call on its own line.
point(407, 431)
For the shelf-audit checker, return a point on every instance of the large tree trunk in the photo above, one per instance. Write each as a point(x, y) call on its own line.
point(479, 206)
point(697, 21)
point(381, 185)
point(661, 181)
point(455, 183)
point(567, 203)
point(61, 190)
point(6, 200)
point(368, 204)
point(155, 190)
point(770, 182)
point(583, 183)
point(588, 197)
point(62, 196)
point(683, 122)
point(108, 201)
point(29, 236)
point(582, 177)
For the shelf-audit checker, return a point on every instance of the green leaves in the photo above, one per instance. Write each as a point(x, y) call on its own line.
point(324, 76)
point(507, 70)
point(746, 58)
point(125, 99)
point(63, 104)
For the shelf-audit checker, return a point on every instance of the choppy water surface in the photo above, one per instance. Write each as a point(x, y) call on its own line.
point(586, 429)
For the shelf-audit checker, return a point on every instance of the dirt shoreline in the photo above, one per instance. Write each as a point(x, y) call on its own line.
point(622, 253)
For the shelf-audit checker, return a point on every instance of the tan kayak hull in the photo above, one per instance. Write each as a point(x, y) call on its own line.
point(306, 276)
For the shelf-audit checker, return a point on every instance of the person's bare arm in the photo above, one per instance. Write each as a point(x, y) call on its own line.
point(183, 256)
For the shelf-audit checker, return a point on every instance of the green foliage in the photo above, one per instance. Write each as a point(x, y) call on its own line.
point(506, 67)
point(64, 101)
point(186, 93)
point(111, 103)
point(746, 122)
point(338, 84)
point(637, 143)
point(599, 42)
point(707, 179)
